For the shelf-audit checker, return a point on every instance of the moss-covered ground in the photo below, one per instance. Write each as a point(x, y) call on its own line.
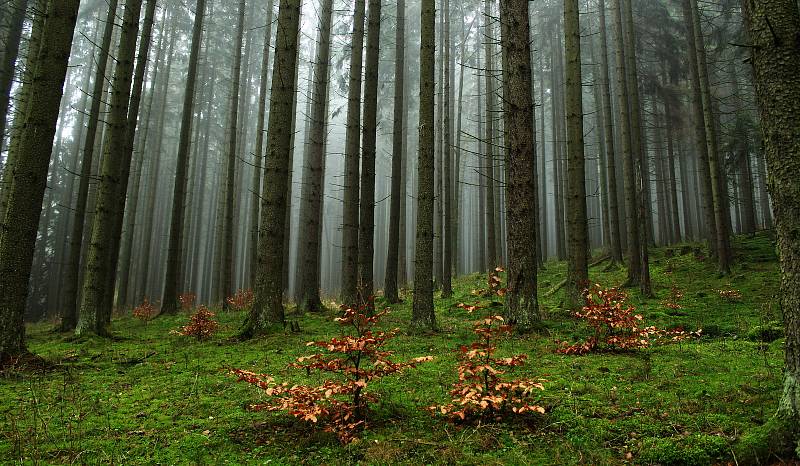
point(150, 397)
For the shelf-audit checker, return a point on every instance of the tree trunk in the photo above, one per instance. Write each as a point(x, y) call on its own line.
point(169, 302)
point(366, 233)
point(352, 149)
point(772, 26)
point(267, 310)
point(423, 315)
point(520, 154)
point(398, 139)
point(28, 183)
point(308, 259)
point(447, 155)
point(491, 240)
point(577, 229)
point(15, 9)
point(111, 193)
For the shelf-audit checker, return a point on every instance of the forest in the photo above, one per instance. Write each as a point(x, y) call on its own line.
point(411, 232)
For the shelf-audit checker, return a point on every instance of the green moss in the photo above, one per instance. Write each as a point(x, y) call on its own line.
point(694, 450)
point(149, 397)
point(768, 332)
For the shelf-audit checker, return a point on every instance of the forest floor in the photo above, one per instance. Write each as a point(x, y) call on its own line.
point(148, 396)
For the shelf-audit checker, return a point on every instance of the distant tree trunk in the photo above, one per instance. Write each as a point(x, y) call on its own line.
point(352, 150)
point(110, 195)
point(557, 109)
point(438, 200)
point(701, 147)
point(228, 258)
point(719, 186)
point(491, 240)
point(631, 208)
point(742, 147)
point(314, 175)
point(447, 155)
point(542, 251)
point(267, 310)
point(259, 152)
point(520, 154)
point(608, 135)
point(69, 317)
point(28, 183)
point(169, 302)
point(772, 26)
point(423, 315)
point(457, 241)
point(480, 161)
point(366, 233)
point(673, 175)
point(398, 143)
point(15, 9)
point(577, 228)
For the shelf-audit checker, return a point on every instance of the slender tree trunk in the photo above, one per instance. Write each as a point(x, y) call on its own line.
point(366, 233)
point(772, 26)
point(520, 154)
point(577, 229)
point(447, 155)
point(169, 302)
point(423, 315)
point(15, 9)
point(480, 161)
point(491, 229)
point(398, 139)
point(314, 176)
point(352, 150)
point(719, 186)
point(111, 193)
point(259, 151)
point(267, 310)
point(28, 183)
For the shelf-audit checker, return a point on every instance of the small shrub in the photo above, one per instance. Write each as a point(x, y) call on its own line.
point(145, 312)
point(187, 301)
point(481, 391)
point(339, 404)
point(242, 300)
point(201, 325)
point(615, 325)
point(671, 301)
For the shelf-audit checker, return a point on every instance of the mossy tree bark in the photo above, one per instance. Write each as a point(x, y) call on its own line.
point(423, 315)
point(110, 195)
point(267, 310)
point(773, 27)
point(28, 182)
point(314, 174)
point(169, 301)
point(522, 308)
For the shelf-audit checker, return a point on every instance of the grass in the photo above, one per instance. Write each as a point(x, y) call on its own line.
point(148, 397)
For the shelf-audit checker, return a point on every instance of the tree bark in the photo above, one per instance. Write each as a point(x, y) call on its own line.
point(15, 9)
point(772, 26)
point(314, 175)
point(491, 239)
point(423, 315)
point(28, 183)
point(267, 310)
point(169, 302)
point(522, 307)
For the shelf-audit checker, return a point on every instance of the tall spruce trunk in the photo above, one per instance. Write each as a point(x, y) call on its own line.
point(314, 175)
point(366, 225)
point(111, 194)
point(522, 307)
point(492, 257)
point(352, 150)
point(15, 9)
point(577, 228)
point(28, 183)
point(398, 148)
point(267, 310)
point(447, 156)
point(615, 244)
point(260, 130)
point(169, 302)
point(629, 176)
point(772, 26)
point(719, 186)
point(423, 315)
